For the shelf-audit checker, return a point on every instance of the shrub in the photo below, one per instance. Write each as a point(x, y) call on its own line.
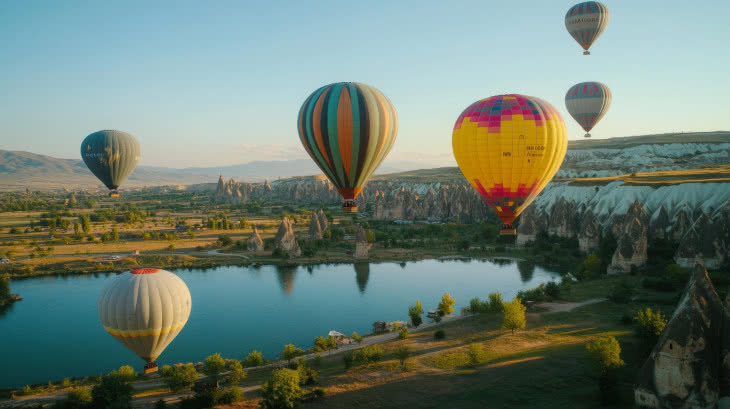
point(415, 313)
point(356, 337)
point(440, 334)
point(475, 354)
point(369, 354)
point(126, 372)
point(160, 404)
point(214, 365)
point(290, 352)
point(78, 398)
point(180, 376)
point(402, 353)
point(225, 241)
point(475, 305)
point(621, 293)
point(236, 372)
point(552, 289)
point(495, 302)
point(649, 325)
point(403, 333)
point(282, 390)
point(514, 315)
point(605, 353)
point(307, 376)
point(627, 319)
point(113, 391)
point(446, 306)
point(348, 357)
point(254, 358)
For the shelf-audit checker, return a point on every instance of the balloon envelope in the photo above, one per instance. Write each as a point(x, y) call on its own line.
point(347, 128)
point(586, 22)
point(111, 156)
point(509, 147)
point(587, 103)
point(144, 310)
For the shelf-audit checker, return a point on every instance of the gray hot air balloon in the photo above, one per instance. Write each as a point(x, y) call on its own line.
point(144, 310)
point(111, 156)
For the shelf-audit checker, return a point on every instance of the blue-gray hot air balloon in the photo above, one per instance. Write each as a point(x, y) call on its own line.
point(111, 156)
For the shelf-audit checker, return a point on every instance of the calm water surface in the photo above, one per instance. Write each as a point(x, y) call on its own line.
point(55, 331)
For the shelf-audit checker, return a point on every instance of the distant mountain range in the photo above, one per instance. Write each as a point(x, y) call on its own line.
point(602, 157)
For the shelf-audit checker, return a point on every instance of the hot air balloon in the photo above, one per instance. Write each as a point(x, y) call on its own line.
point(509, 147)
point(586, 22)
point(587, 103)
point(144, 310)
point(111, 156)
point(348, 128)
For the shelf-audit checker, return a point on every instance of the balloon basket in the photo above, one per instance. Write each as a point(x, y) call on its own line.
point(507, 230)
point(587, 135)
point(114, 194)
point(349, 207)
point(150, 367)
point(586, 52)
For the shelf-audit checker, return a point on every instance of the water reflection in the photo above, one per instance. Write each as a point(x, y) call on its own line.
point(362, 275)
point(527, 270)
point(502, 261)
point(285, 274)
point(402, 264)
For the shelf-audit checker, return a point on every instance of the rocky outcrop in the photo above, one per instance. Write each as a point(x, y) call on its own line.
point(707, 241)
point(563, 222)
point(315, 231)
point(589, 237)
point(286, 240)
point(632, 231)
point(690, 365)
point(362, 247)
point(323, 223)
point(255, 243)
point(659, 225)
point(531, 223)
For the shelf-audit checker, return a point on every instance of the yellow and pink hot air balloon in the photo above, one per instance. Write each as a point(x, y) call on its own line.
point(509, 147)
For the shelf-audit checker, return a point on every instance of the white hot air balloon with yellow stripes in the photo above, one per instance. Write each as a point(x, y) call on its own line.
point(144, 310)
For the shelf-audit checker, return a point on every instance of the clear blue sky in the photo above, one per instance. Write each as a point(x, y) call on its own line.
point(220, 82)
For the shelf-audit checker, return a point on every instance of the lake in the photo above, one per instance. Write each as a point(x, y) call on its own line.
point(55, 331)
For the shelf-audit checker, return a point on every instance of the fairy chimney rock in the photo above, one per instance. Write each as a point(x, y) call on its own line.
point(286, 240)
point(254, 242)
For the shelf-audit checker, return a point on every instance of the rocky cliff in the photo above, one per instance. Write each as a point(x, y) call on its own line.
point(285, 239)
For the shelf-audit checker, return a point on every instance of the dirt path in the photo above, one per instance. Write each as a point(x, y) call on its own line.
point(567, 306)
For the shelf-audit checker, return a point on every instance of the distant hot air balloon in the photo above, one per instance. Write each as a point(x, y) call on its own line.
point(144, 310)
point(509, 147)
point(586, 22)
point(587, 103)
point(348, 128)
point(111, 156)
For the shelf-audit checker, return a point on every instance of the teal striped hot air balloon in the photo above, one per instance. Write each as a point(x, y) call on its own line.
point(348, 128)
point(586, 22)
point(111, 156)
point(587, 103)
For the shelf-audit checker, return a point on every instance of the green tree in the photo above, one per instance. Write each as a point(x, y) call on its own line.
point(77, 229)
point(446, 306)
point(356, 337)
point(282, 390)
point(254, 358)
point(112, 392)
point(126, 372)
point(495, 302)
point(513, 315)
point(77, 398)
point(115, 233)
point(403, 333)
point(86, 223)
point(592, 265)
point(4, 288)
point(475, 354)
point(475, 305)
point(348, 357)
point(649, 325)
point(403, 353)
point(180, 376)
point(415, 313)
point(290, 352)
point(214, 365)
point(237, 373)
point(605, 353)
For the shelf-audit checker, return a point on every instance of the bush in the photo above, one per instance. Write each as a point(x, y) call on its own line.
point(348, 357)
point(236, 372)
point(403, 333)
point(495, 302)
point(402, 353)
point(214, 365)
point(475, 354)
point(552, 289)
point(627, 319)
point(225, 241)
point(440, 334)
point(112, 392)
point(290, 352)
point(605, 353)
point(621, 293)
point(77, 398)
point(254, 358)
point(514, 315)
point(324, 344)
point(356, 337)
point(307, 376)
point(446, 306)
point(649, 325)
point(180, 376)
point(369, 354)
point(126, 372)
point(160, 404)
point(282, 390)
